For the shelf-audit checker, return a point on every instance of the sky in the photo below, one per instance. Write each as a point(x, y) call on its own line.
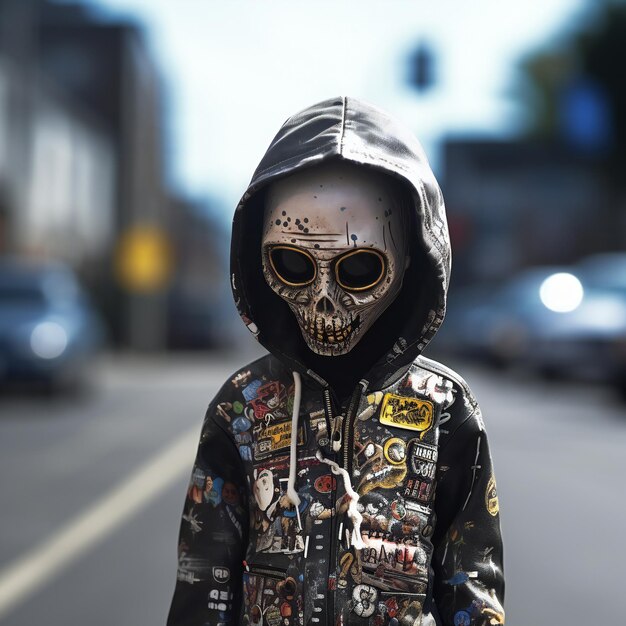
point(234, 70)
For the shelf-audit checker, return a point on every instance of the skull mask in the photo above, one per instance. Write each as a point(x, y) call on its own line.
point(335, 249)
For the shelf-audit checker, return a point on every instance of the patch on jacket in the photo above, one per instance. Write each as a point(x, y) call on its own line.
point(491, 497)
point(275, 437)
point(408, 413)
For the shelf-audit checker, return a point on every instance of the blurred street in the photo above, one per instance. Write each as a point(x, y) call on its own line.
point(557, 447)
point(127, 137)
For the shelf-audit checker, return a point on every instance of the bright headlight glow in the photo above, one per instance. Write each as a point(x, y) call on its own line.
point(561, 292)
point(48, 340)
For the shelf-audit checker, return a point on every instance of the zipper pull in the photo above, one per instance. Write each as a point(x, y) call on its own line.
point(336, 434)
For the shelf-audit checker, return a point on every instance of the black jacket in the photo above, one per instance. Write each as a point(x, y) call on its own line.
point(422, 543)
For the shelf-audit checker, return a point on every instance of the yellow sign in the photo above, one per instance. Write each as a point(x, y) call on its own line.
point(409, 413)
point(143, 259)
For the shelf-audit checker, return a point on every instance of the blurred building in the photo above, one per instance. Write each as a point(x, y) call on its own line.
point(200, 315)
point(81, 154)
point(57, 173)
point(574, 89)
point(512, 204)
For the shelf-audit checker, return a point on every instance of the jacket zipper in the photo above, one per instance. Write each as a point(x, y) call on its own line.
point(343, 435)
point(348, 425)
point(334, 435)
point(330, 420)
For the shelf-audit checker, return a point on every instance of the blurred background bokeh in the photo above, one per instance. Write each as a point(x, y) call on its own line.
point(128, 131)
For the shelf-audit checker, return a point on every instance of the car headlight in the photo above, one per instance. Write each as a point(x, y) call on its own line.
point(48, 340)
point(561, 292)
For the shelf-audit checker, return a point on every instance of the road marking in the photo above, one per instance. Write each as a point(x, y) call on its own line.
point(28, 573)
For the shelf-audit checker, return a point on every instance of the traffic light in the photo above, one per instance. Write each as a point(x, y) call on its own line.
point(421, 68)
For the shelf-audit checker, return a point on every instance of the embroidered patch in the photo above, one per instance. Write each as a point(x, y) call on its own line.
point(274, 438)
point(392, 566)
point(491, 497)
point(422, 459)
point(364, 600)
point(394, 450)
point(409, 413)
point(419, 489)
point(221, 574)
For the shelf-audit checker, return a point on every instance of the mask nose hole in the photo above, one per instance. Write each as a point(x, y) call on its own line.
point(324, 305)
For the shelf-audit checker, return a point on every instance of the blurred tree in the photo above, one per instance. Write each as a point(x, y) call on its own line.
point(545, 73)
point(583, 79)
point(603, 52)
point(578, 95)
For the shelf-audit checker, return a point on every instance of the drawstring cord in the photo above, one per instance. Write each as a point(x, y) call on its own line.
point(353, 512)
point(292, 494)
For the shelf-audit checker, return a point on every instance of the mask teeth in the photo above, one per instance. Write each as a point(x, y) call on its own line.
point(333, 335)
point(330, 335)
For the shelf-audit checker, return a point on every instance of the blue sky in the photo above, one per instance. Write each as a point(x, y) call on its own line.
point(236, 69)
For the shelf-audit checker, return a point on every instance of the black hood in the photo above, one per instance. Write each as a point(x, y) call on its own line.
point(355, 131)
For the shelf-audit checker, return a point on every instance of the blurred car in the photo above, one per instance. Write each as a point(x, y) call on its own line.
point(48, 331)
point(584, 343)
point(564, 322)
point(500, 324)
point(597, 334)
point(606, 271)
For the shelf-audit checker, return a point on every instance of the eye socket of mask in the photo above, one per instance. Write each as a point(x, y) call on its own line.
point(293, 266)
point(358, 270)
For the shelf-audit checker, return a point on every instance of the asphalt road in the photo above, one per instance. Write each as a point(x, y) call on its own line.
point(91, 492)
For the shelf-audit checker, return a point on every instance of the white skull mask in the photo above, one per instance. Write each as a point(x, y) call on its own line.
point(335, 249)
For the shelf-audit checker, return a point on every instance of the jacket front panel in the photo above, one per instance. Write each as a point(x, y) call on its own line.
point(391, 452)
point(300, 565)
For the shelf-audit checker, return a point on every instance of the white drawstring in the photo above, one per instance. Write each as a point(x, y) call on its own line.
point(353, 512)
point(292, 494)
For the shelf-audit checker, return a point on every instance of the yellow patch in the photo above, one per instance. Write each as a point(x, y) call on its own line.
point(409, 413)
point(491, 497)
point(375, 398)
point(275, 437)
point(394, 451)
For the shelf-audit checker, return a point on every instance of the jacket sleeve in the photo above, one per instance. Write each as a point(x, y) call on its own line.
point(467, 561)
point(213, 532)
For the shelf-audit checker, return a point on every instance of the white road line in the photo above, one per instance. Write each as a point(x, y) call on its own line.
point(28, 573)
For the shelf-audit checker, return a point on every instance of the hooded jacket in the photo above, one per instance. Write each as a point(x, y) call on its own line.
point(306, 507)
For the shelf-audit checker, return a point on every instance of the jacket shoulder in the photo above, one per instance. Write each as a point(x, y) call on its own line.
point(242, 386)
point(458, 401)
point(443, 370)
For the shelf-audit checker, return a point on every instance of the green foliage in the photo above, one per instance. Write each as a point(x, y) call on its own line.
point(594, 49)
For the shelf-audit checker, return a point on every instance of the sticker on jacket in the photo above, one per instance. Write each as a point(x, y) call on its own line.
point(421, 475)
point(394, 566)
point(274, 517)
point(409, 413)
point(274, 438)
point(491, 497)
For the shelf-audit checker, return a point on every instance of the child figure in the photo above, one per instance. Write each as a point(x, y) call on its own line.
point(361, 485)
